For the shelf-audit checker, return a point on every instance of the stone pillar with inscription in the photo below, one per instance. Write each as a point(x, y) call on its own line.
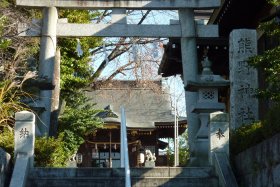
point(243, 78)
point(25, 134)
point(218, 134)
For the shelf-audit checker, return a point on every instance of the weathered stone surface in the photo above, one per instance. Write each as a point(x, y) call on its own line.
point(130, 4)
point(150, 164)
point(114, 177)
point(118, 30)
point(20, 172)
point(219, 117)
point(219, 134)
point(40, 83)
point(119, 16)
point(25, 133)
point(260, 165)
point(47, 55)
point(190, 71)
point(24, 116)
point(243, 78)
point(219, 148)
point(4, 167)
point(24, 147)
point(223, 170)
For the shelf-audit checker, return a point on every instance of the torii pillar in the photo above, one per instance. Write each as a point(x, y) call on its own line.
point(46, 66)
point(190, 72)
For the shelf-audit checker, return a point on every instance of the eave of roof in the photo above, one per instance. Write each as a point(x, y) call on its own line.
point(235, 14)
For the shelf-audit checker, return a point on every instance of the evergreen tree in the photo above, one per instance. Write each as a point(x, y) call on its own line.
point(269, 62)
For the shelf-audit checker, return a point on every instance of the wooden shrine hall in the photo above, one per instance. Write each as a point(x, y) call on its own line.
point(149, 119)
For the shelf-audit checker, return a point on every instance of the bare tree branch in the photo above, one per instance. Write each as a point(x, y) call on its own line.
point(120, 70)
point(144, 17)
point(117, 51)
point(140, 41)
point(103, 15)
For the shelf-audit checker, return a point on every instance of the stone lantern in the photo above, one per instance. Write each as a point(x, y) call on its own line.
point(207, 86)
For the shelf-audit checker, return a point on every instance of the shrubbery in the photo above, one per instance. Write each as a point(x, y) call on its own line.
point(250, 135)
point(245, 137)
point(7, 140)
point(49, 151)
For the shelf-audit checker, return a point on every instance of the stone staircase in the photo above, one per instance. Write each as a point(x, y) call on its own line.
point(108, 177)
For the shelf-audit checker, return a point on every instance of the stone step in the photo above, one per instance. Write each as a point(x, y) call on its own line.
point(119, 172)
point(120, 181)
point(115, 177)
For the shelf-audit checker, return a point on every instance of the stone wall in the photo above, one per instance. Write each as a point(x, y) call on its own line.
point(5, 168)
point(259, 166)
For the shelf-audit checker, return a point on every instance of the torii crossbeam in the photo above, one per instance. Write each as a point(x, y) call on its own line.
point(128, 4)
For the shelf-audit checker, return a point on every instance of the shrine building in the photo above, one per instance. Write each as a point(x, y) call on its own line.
point(149, 121)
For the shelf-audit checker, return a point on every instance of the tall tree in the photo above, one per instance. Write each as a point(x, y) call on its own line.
point(76, 70)
point(269, 62)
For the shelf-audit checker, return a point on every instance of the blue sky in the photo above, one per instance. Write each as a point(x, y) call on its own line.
point(146, 54)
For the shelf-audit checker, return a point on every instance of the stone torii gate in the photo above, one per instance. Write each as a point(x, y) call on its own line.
point(51, 27)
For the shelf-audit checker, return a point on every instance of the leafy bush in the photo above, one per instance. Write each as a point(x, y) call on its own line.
point(7, 140)
point(272, 122)
point(245, 137)
point(75, 125)
point(51, 152)
point(250, 135)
